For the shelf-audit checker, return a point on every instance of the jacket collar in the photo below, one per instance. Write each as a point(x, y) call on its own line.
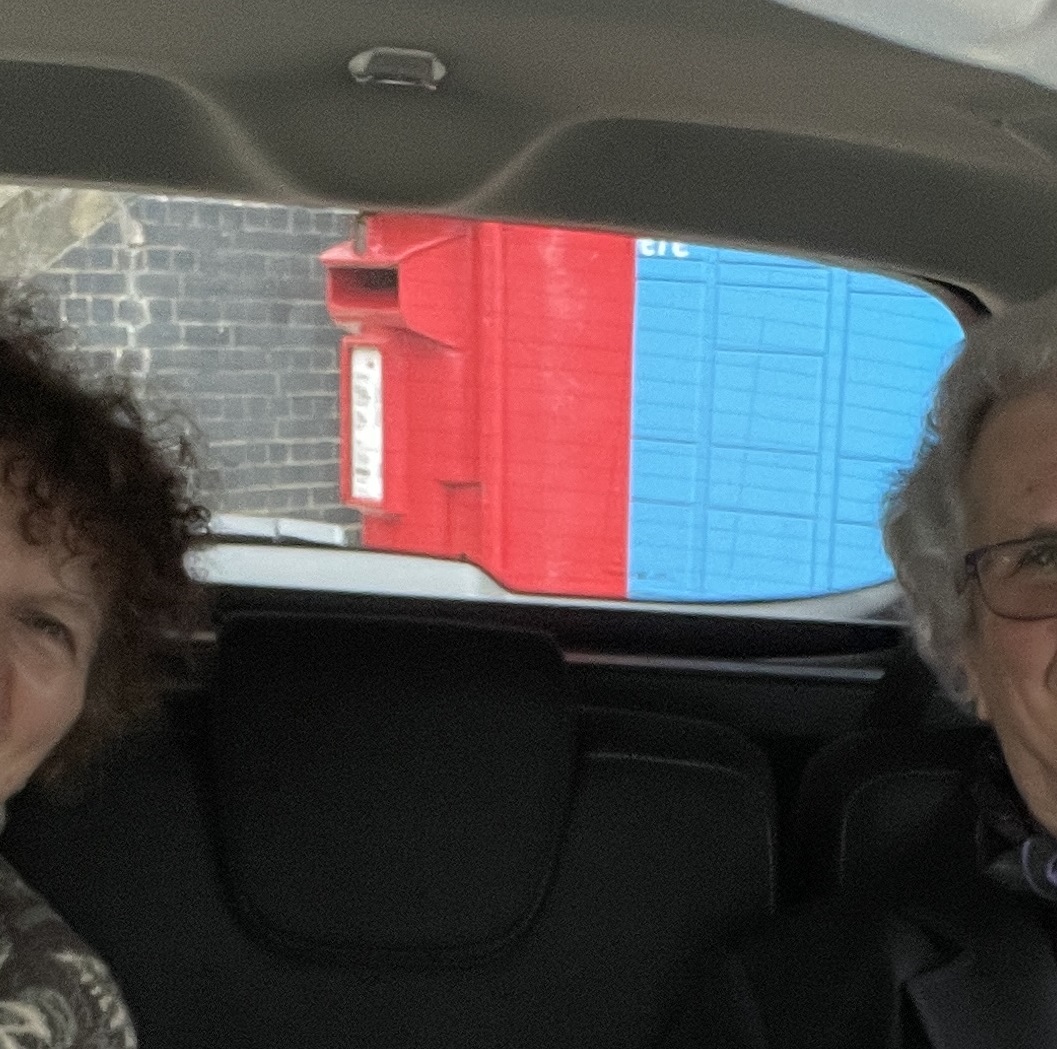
point(992, 984)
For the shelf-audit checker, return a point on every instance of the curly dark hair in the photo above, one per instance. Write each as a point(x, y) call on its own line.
point(87, 461)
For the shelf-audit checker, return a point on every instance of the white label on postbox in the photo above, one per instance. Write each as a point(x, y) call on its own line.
point(366, 392)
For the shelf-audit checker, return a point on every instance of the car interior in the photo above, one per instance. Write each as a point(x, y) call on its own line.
point(387, 813)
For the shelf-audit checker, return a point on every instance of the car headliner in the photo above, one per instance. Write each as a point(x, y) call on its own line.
point(733, 120)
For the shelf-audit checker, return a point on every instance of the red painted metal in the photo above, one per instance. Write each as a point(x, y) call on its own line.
point(505, 399)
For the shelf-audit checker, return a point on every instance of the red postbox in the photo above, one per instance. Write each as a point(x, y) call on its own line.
point(485, 396)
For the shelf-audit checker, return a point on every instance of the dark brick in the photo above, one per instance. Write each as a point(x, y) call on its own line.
point(209, 408)
point(249, 383)
point(289, 358)
point(108, 233)
point(245, 357)
point(248, 501)
point(306, 428)
point(76, 258)
point(279, 265)
point(148, 209)
point(254, 217)
point(160, 309)
point(270, 335)
point(309, 245)
point(309, 473)
point(314, 452)
point(159, 334)
point(203, 362)
point(297, 497)
point(184, 261)
point(103, 311)
point(133, 361)
point(280, 313)
point(300, 220)
point(131, 311)
point(345, 515)
point(298, 288)
point(218, 285)
point(255, 271)
point(234, 407)
point(305, 267)
point(100, 283)
point(279, 219)
point(206, 334)
point(195, 239)
point(322, 495)
point(231, 217)
point(162, 235)
point(251, 311)
point(244, 262)
point(265, 240)
point(101, 259)
point(102, 335)
point(326, 360)
point(161, 285)
point(181, 212)
point(299, 382)
point(197, 310)
point(267, 407)
point(75, 310)
point(58, 285)
point(311, 314)
point(155, 259)
point(243, 430)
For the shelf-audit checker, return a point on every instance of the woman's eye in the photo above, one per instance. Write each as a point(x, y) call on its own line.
point(51, 628)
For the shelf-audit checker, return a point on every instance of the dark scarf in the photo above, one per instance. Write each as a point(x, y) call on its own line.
point(1012, 849)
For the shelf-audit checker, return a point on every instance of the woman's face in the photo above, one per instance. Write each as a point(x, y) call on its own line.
point(1011, 492)
point(51, 616)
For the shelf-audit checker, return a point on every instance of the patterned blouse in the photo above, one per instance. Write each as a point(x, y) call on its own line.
point(55, 993)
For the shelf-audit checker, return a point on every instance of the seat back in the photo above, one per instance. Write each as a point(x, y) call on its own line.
point(397, 834)
point(887, 816)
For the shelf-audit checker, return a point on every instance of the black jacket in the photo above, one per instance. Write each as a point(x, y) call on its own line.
point(978, 973)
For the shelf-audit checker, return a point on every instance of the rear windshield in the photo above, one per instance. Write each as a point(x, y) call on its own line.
point(577, 413)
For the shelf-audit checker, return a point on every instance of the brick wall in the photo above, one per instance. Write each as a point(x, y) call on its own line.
point(220, 306)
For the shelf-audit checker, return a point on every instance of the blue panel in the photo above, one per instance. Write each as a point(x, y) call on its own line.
point(773, 401)
point(764, 401)
point(778, 548)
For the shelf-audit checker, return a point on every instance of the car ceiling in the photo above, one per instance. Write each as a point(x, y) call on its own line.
point(740, 121)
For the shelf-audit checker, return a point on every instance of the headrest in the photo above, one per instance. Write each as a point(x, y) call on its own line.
point(387, 790)
point(888, 815)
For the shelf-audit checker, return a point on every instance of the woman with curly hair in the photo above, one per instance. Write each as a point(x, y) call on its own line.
point(96, 516)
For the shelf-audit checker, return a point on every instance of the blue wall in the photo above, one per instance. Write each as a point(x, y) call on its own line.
point(773, 399)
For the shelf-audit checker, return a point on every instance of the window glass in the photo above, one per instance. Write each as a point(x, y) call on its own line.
point(577, 413)
point(773, 401)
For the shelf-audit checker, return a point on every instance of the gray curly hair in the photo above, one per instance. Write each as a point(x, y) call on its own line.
point(924, 512)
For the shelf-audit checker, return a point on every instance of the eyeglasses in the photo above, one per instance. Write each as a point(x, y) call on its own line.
point(1018, 577)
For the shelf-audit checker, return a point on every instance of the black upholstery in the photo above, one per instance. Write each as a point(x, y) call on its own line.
point(375, 834)
point(887, 816)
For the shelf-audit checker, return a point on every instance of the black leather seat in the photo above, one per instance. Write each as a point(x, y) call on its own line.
point(385, 833)
point(887, 818)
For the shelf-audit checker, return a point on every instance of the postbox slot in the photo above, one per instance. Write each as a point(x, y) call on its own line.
point(367, 288)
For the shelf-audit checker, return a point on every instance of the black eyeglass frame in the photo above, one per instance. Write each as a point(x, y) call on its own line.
point(972, 571)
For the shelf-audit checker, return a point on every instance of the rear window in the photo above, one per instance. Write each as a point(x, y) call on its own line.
point(576, 413)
